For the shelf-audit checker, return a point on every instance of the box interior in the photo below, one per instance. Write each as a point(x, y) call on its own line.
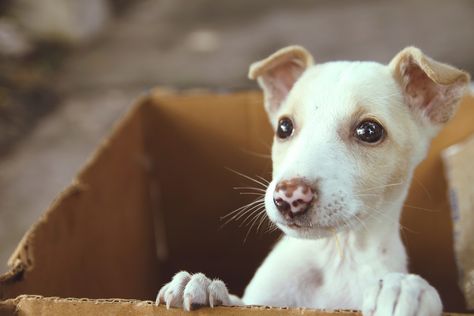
point(149, 203)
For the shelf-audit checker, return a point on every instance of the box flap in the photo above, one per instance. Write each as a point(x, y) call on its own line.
point(37, 305)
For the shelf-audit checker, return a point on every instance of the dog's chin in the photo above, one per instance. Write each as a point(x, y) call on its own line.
point(315, 230)
point(309, 231)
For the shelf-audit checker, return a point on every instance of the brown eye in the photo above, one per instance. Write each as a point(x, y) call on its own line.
point(369, 132)
point(285, 128)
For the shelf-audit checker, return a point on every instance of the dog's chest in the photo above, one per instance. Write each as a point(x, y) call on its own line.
point(323, 277)
point(313, 274)
point(335, 285)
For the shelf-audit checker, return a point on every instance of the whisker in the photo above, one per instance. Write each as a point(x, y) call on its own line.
point(256, 154)
point(249, 188)
point(267, 182)
point(262, 220)
point(366, 194)
point(361, 222)
point(247, 177)
point(259, 218)
point(382, 186)
point(250, 229)
point(347, 221)
point(271, 227)
point(341, 254)
point(420, 208)
point(252, 193)
point(240, 214)
point(392, 220)
point(247, 211)
point(254, 212)
point(242, 207)
point(264, 143)
point(423, 187)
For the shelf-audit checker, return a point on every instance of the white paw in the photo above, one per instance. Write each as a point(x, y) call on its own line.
point(400, 294)
point(192, 291)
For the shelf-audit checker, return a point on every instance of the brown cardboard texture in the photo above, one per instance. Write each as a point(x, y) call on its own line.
point(148, 204)
point(460, 175)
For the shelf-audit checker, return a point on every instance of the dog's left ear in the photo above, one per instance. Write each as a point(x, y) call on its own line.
point(432, 89)
point(278, 73)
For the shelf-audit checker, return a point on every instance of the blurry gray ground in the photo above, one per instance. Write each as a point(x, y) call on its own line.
point(204, 43)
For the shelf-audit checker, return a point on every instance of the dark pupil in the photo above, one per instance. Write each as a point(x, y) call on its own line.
point(285, 128)
point(369, 132)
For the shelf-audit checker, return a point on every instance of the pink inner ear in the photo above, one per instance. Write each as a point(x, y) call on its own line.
point(279, 80)
point(435, 101)
point(419, 87)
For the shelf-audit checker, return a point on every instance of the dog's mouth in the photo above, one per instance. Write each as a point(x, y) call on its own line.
point(310, 226)
point(306, 227)
point(308, 231)
point(293, 225)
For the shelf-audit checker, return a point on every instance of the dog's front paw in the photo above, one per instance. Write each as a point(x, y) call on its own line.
point(400, 294)
point(192, 291)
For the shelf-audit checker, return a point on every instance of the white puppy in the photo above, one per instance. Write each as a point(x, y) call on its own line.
point(348, 137)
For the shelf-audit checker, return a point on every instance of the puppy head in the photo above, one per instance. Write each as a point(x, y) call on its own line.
point(349, 134)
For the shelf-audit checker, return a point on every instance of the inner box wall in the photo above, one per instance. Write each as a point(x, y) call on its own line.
point(193, 143)
point(96, 240)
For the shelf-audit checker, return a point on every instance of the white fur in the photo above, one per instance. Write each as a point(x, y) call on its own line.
point(347, 252)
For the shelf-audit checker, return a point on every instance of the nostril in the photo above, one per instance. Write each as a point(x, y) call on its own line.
point(298, 202)
point(282, 205)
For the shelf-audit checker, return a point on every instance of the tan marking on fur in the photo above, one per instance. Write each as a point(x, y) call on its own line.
point(387, 178)
point(277, 74)
point(440, 73)
point(296, 54)
point(347, 127)
point(313, 278)
point(398, 175)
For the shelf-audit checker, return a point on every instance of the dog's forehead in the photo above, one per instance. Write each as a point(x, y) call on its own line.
point(343, 87)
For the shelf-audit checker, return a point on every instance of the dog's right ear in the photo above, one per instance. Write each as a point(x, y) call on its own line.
point(431, 89)
point(278, 73)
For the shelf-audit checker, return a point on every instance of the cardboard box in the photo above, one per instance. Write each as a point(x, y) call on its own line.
point(148, 204)
point(460, 175)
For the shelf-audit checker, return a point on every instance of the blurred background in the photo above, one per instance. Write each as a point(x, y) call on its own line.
point(69, 69)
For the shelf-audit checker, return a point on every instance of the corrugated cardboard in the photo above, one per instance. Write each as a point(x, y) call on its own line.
point(148, 204)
